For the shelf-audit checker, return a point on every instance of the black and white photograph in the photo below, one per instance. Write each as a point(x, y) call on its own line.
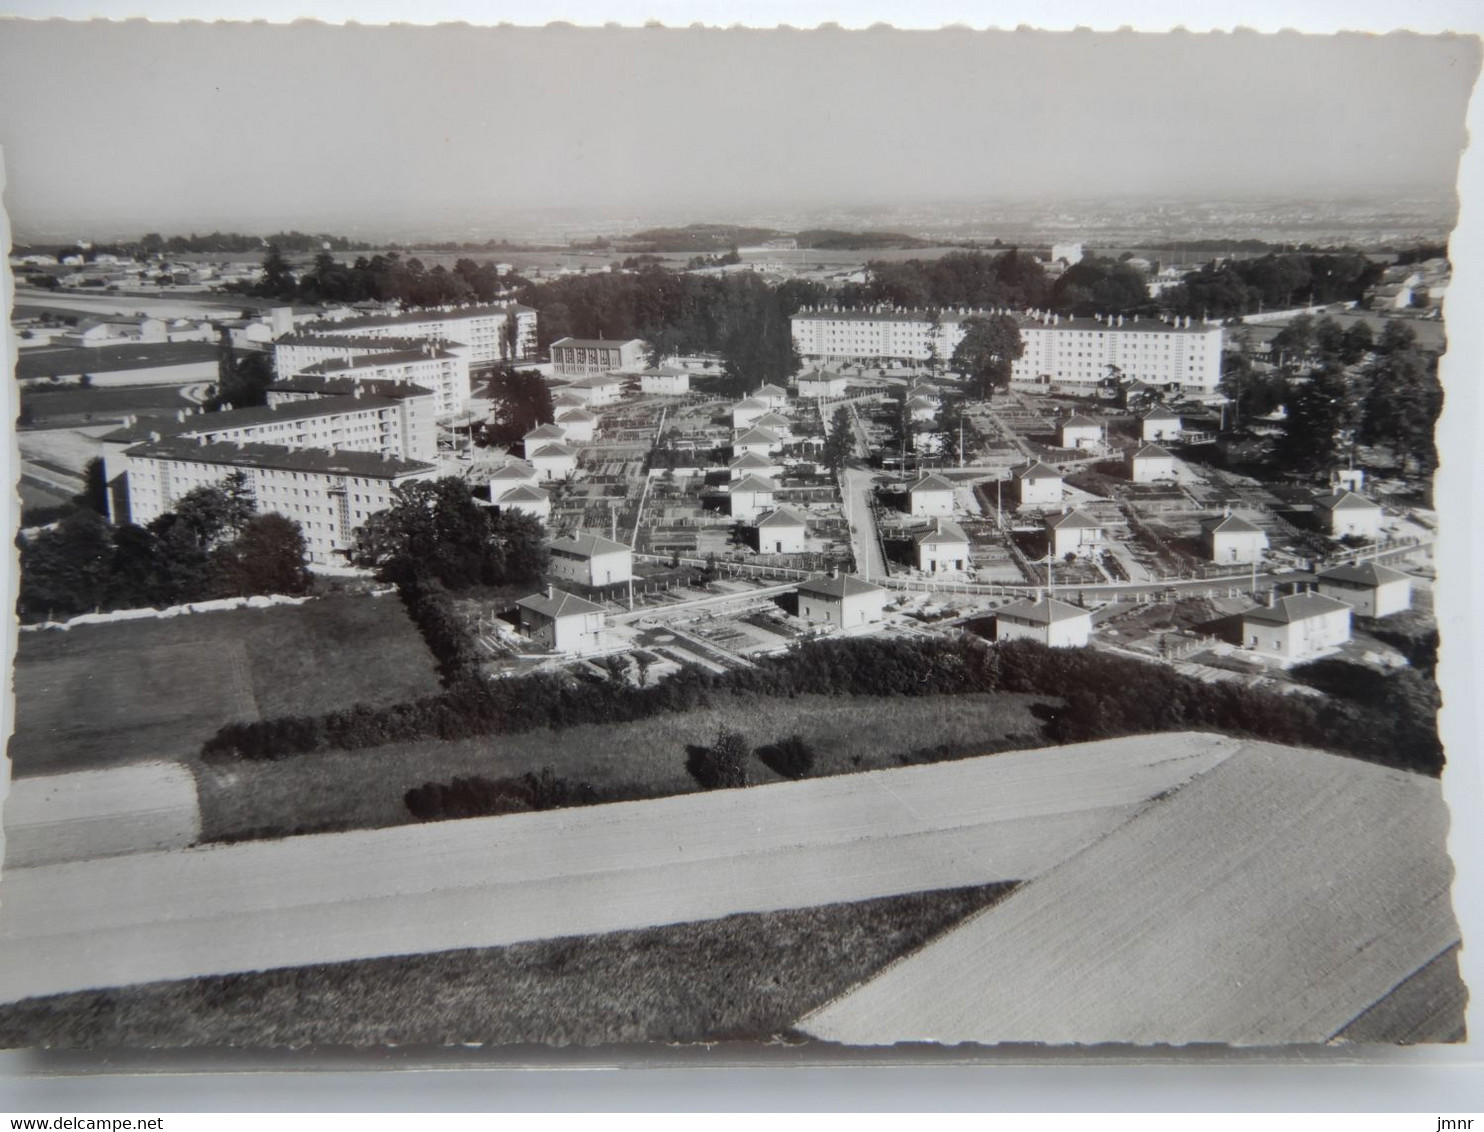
point(573, 537)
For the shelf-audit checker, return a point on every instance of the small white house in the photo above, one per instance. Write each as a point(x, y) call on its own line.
point(750, 496)
point(580, 425)
point(527, 499)
point(773, 396)
point(759, 441)
point(1056, 624)
point(1080, 431)
point(931, 495)
point(822, 383)
point(1152, 464)
point(1232, 539)
point(591, 560)
point(1296, 628)
point(664, 381)
point(779, 425)
point(920, 410)
point(747, 412)
point(600, 389)
point(1037, 484)
point(1160, 424)
point(752, 464)
point(562, 622)
point(1370, 589)
point(540, 437)
point(1343, 514)
point(1072, 532)
point(842, 600)
point(782, 531)
point(513, 474)
point(554, 462)
point(942, 548)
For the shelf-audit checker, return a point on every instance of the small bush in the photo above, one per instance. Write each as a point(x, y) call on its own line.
point(791, 758)
point(477, 796)
point(721, 766)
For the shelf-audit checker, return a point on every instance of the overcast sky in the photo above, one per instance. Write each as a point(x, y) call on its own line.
point(124, 127)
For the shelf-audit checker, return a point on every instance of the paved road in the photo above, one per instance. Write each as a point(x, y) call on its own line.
point(492, 881)
point(857, 485)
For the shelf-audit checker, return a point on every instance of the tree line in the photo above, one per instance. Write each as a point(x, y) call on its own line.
point(1100, 696)
point(213, 544)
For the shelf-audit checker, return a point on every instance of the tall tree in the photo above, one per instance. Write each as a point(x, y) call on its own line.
point(990, 346)
point(64, 570)
point(840, 442)
point(1323, 415)
point(277, 281)
point(1402, 407)
point(267, 557)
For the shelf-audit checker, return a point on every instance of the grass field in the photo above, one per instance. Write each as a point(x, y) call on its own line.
point(644, 759)
point(44, 361)
point(743, 977)
point(106, 695)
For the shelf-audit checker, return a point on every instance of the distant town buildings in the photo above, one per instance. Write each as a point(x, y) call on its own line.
point(493, 333)
point(1074, 353)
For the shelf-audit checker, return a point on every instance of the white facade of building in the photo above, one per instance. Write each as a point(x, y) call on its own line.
point(329, 494)
point(663, 381)
point(1151, 464)
point(782, 531)
point(563, 622)
point(844, 601)
point(1048, 621)
point(1233, 540)
point(1083, 351)
point(1345, 514)
point(1037, 485)
point(1296, 628)
point(580, 425)
point(442, 368)
point(943, 548)
point(590, 357)
point(490, 333)
point(1079, 432)
point(553, 462)
point(525, 498)
point(1074, 532)
point(1159, 425)
point(930, 496)
point(1371, 590)
point(822, 384)
point(591, 560)
point(749, 497)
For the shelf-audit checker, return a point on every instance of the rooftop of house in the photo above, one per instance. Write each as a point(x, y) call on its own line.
point(772, 421)
point(1153, 452)
point(554, 452)
point(782, 517)
point(556, 604)
point(321, 461)
point(546, 432)
point(756, 436)
point(839, 587)
point(1037, 471)
point(515, 470)
point(524, 493)
point(1045, 611)
point(930, 482)
point(379, 360)
point(417, 317)
point(1345, 501)
point(1295, 607)
point(753, 484)
point(771, 390)
point(1160, 413)
point(751, 460)
point(195, 424)
point(589, 343)
point(943, 531)
point(575, 413)
point(749, 404)
point(1229, 524)
point(325, 384)
point(1081, 420)
point(1073, 520)
point(586, 544)
point(1363, 574)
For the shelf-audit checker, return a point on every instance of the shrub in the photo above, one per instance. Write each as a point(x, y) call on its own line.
point(477, 796)
point(723, 765)
point(790, 758)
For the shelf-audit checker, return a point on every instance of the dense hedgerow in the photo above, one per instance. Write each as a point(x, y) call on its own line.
point(1101, 696)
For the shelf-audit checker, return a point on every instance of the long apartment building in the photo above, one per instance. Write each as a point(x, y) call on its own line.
point(395, 422)
point(1077, 352)
point(443, 368)
point(328, 493)
point(1083, 351)
point(494, 333)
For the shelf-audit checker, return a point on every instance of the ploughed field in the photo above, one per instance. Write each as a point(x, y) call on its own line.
point(154, 689)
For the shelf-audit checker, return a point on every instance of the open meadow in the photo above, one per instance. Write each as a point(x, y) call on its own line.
point(154, 689)
point(344, 790)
